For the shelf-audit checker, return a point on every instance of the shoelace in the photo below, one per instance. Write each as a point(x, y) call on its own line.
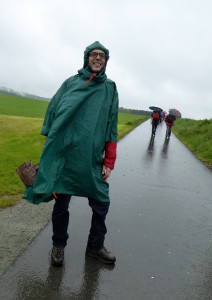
point(60, 250)
point(57, 250)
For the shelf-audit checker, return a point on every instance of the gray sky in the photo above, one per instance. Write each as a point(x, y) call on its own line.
point(160, 50)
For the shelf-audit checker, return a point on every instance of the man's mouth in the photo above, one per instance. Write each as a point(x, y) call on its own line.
point(97, 64)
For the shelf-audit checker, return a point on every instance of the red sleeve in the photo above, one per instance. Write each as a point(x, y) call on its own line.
point(110, 154)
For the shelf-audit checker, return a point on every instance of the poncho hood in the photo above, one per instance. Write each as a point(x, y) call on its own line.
point(95, 45)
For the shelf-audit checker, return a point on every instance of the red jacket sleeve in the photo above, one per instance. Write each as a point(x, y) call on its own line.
point(110, 154)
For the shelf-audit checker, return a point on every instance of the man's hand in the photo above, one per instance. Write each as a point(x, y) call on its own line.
point(106, 172)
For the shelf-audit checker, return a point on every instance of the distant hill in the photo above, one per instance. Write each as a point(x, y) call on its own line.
point(9, 91)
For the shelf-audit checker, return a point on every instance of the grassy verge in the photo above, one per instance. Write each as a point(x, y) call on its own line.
point(197, 136)
point(20, 141)
point(127, 122)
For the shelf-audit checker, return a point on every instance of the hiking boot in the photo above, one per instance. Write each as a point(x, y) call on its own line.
point(103, 255)
point(57, 255)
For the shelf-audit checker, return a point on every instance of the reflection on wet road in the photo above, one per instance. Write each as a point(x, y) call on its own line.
point(159, 228)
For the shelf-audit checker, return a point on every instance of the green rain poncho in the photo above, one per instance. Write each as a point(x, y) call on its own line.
point(79, 120)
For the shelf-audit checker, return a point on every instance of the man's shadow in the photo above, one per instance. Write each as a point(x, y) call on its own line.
point(33, 287)
point(53, 286)
point(91, 278)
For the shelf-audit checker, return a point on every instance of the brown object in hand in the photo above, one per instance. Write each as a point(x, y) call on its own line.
point(27, 172)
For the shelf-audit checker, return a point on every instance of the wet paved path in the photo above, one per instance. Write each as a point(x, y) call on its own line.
point(159, 227)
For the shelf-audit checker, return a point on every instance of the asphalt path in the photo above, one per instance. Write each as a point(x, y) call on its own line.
point(159, 228)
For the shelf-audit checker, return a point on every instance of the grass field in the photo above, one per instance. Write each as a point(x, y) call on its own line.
point(197, 136)
point(20, 140)
point(127, 122)
point(18, 106)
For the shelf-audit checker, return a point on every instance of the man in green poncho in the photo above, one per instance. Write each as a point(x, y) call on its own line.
point(80, 152)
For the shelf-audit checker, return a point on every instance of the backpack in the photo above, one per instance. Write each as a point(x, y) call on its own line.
point(155, 116)
point(170, 119)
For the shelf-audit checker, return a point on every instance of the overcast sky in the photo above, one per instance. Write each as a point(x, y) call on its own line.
point(160, 50)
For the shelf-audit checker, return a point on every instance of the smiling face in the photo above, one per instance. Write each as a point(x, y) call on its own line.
point(96, 60)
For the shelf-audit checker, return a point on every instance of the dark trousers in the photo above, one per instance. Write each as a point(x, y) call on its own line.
point(60, 221)
point(154, 126)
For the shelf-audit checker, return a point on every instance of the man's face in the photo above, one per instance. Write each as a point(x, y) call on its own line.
point(96, 60)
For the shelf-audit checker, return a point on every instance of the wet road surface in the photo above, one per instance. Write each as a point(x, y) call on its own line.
point(159, 228)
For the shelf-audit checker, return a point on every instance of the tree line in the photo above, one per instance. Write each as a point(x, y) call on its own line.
point(135, 111)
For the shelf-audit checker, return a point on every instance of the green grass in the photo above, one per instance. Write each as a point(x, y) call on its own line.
point(19, 141)
point(18, 106)
point(197, 136)
point(127, 122)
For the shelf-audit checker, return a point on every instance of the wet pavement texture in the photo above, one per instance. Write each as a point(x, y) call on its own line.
point(159, 228)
